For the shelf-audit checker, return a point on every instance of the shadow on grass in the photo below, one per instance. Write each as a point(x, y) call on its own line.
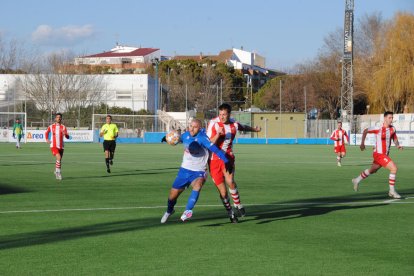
point(115, 173)
point(279, 211)
point(261, 214)
point(6, 189)
point(14, 164)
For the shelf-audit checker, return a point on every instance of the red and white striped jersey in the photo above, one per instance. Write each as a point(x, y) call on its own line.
point(341, 135)
point(212, 122)
point(383, 137)
point(224, 142)
point(57, 132)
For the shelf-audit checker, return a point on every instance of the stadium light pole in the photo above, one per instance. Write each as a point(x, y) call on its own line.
point(155, 62)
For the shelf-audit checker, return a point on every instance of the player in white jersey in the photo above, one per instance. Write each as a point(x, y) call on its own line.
point(383, 137)
point(193, 169)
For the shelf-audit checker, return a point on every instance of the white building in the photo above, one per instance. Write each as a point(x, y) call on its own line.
point(245, 60)
point(121, 58)
point(135, 91)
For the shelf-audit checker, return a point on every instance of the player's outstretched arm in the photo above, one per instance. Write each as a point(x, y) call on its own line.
point(251, 129)
point(205, 142)
point(219, 152)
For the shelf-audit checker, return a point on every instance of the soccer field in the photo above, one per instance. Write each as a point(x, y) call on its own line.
point(303, 218)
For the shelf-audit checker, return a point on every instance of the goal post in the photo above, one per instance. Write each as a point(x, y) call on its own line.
point(130, 126)
point(7, 120)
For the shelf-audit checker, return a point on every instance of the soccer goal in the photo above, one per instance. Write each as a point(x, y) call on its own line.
point(131, 126)
point(7, 121)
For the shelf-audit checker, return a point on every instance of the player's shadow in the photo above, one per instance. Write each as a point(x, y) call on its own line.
point(267, 213)
point(25, 164)
point(58, 235)
point(297, 209)
point(115, 173)
point(6, 189)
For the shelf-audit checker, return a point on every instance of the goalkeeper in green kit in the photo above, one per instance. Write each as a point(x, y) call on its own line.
point(18, 132)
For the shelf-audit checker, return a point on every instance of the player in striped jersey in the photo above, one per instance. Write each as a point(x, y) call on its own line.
point(222, 130)
point(57, 131)
point(340, 137)
point(383, 137)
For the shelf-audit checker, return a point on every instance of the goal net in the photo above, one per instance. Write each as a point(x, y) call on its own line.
point(7, 121)
point(132, 126)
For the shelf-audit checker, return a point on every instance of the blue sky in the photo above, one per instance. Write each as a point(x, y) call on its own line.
point(285, 32)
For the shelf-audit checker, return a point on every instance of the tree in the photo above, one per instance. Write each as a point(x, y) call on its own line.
point(196, 83)
point(391, 86)
point(53, 89)
point(12, 56)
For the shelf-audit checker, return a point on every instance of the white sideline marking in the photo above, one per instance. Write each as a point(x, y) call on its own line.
point(134, 162)
point(394, 201)
point(390, 200)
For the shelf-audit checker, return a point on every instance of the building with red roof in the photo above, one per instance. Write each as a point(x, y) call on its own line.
point(121, 58)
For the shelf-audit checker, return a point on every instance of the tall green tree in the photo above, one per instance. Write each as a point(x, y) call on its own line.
point(391, 85)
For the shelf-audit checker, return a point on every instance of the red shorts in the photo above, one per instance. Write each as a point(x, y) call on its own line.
point(381, 159)
point(340, 149)
point(217, 168)
point(56, 151)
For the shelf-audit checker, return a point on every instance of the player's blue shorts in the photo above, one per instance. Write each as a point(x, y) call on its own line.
point(185, 177)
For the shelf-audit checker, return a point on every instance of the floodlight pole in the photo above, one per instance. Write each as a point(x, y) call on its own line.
point(347, 84)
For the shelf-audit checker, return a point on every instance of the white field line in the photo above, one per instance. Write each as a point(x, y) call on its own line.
point(134, 162)
point(390, 200)
point(393, 201)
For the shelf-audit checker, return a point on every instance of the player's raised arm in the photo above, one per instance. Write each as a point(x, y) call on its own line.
point(249, 128)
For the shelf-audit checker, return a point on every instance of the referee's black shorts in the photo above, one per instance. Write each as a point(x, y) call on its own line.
point(109, 145)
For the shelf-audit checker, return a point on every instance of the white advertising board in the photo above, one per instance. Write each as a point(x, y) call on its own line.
point(38, 136)
point(405, 139)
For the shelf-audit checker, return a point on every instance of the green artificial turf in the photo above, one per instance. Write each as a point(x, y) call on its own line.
point(303, 218)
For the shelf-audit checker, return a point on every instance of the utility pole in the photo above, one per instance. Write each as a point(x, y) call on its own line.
point(155, 62)
point(347, 85)
point(280, 107)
